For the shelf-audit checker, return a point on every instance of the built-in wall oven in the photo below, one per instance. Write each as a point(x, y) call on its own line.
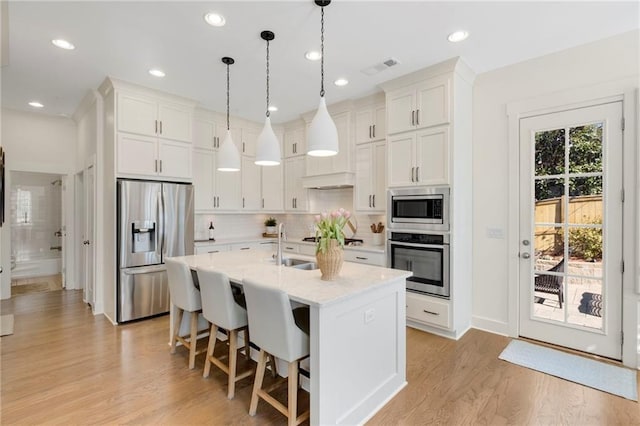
point(424, 254)
point(418, 208)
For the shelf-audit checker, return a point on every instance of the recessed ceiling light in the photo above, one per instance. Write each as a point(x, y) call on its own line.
point(157, 73)
point(215, 19)
point(458, 36)
point(36, 104)
point(341, 82)
point(273, 108)
point(63, 44)
point(313, 55)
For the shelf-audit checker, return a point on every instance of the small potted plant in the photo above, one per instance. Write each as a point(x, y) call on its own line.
point(270, 223)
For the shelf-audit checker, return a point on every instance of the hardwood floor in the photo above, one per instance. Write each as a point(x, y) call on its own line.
point(63, 365)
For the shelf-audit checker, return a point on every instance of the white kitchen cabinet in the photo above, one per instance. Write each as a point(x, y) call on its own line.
point(419, 158)
point(428, 310)
point(418, 106)
point(214, 190)
point(289, 247)
point(209, 133)
point(148, 116)
point(339, 162)
point(294, 142)
point(370, 123)
point(370, 188)
point(145, 156)
point(251, 185)
point(203, 248)
point(295, 195)
point(249, 140)
point(272, 188)
point(366, 257)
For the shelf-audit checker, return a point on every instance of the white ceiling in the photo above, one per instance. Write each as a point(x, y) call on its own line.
point(126, 39)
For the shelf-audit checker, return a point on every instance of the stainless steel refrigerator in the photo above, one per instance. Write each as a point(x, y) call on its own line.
point(155, 221)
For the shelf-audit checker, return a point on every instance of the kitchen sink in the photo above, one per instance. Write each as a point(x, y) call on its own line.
point(307, 265)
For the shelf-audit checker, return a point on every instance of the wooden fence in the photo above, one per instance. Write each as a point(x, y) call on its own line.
point(582, 210)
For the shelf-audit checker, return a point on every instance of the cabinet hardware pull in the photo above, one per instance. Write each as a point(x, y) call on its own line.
point(288, 248)
point(412, 174)
point(370, 132)
point(245, 248)
point(374, 130)
point(214, 251)
point(155, 167)
point(418, 174)
point(373, 198)
point(161, 165)
point(369, 200)
point(430, 313)
point(263, 203)
point(156, 132)
point(362, 258)
point(417, 117)
point(243, 202)
point(160, 126)
point(413, 118)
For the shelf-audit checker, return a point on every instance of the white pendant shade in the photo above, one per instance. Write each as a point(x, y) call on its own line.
point(323, 135)
point(268, 147)
point(228, 155)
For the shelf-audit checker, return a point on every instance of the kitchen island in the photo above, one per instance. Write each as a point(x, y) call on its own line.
point(357, 329)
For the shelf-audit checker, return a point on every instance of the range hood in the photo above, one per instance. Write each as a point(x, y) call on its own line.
point(329, 181)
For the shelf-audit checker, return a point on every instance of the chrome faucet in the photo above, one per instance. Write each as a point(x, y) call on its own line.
point(280, 237)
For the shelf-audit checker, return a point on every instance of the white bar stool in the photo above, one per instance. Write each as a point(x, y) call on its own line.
point(274, 330)
point(186, 297)
point(222, 311)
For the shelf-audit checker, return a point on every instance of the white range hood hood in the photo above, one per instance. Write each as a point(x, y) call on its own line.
point(329, 181)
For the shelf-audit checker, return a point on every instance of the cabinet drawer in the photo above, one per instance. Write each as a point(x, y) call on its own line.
point(210, 248)
point(290, 248)
point(376, 259)
point(428, 310)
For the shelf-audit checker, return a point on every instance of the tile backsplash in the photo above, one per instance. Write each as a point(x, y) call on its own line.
point(297, 226)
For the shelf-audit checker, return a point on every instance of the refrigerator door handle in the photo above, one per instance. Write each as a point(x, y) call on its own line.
point(144, 270)
point(163, 218)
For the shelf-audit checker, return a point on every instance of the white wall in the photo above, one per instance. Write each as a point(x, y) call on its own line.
point(35, 143)
point(604, 61)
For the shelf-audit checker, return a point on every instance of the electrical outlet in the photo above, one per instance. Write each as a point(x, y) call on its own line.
point(369, 315)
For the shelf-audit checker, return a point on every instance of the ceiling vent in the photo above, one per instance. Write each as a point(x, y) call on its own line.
point(386, 64)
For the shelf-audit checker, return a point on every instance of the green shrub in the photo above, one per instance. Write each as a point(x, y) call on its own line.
point(586, 243)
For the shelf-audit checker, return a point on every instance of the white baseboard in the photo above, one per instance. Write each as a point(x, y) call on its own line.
point(490, 325)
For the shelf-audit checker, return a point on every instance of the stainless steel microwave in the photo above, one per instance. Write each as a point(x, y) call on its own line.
point(418, 208)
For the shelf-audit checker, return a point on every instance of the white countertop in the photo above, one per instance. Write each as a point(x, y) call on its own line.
point(364, 247)
point(302, 286)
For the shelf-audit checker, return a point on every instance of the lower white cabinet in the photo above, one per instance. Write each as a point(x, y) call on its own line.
point(210, 248)
point(290, 247)
point(255, 245)
point(154, 158)
point(428, 310)
point(366, 257)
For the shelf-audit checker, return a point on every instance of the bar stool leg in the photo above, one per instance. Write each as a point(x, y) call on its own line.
point(247, 348)
point(193, 340)
point(233, 358)
point(292, 402)
point(257, 384)
point(176, 329)
point(213, 336)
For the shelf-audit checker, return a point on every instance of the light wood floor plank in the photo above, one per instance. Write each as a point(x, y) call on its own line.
point(62, 365)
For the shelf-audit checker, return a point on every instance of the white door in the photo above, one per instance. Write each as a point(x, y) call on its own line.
point(89, 240)
point(63, 229)
point(571, 229)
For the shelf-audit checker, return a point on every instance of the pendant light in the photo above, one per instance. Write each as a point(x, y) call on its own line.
point(268, 147)
point(228, 155)
point(323, 135)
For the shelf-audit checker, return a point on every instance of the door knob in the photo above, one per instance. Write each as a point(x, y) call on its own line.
point(525, 255)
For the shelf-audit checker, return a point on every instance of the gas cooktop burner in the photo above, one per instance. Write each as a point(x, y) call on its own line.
point(347, 241)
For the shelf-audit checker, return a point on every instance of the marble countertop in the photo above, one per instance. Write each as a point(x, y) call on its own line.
point(302, 286)
point(296, 240)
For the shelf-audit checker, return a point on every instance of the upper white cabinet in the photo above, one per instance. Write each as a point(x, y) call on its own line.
point(249, 140)
point(251, 184)
point(294, 142)
point(272, 188)
point(419, 158)
point(370, 188)
point(214, 190)
point(151, 117)
point(420, 105)
point(209, 132)
point(370, 123)
point(295, 195)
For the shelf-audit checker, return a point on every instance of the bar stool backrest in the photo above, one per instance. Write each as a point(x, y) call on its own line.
point(271, 322)
point(184, 293)
point(218, 305)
